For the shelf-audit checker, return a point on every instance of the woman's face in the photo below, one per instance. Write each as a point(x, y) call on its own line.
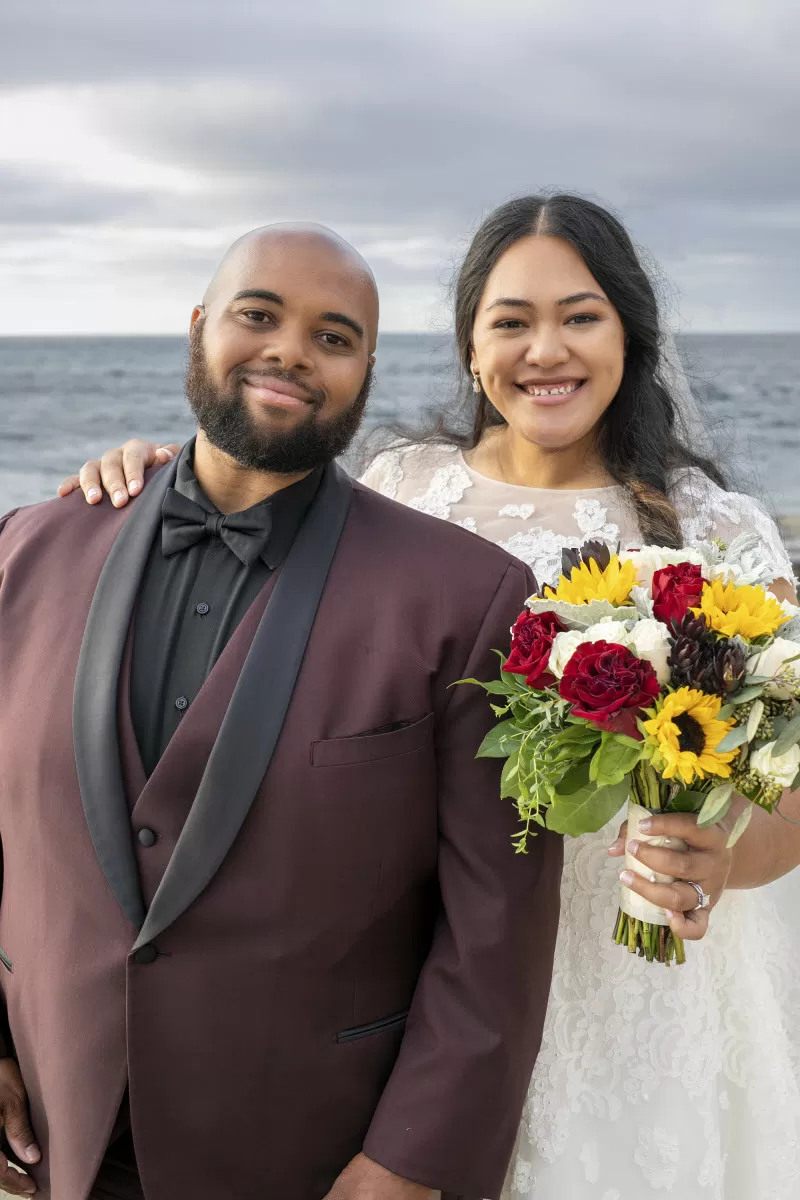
point(547, 344)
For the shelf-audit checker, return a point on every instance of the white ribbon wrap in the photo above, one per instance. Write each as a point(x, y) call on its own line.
point(631, 902)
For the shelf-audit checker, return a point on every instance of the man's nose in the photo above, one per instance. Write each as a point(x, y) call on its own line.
point(287, 348)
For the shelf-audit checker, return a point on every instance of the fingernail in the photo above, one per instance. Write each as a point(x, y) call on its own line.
point(615, 846)
point(31, 1154)
point(646, 825)
point(119, 497)
point(134, 486)
point(626, 876)
point(92, 493)
point(633, 848)
point(168, 453)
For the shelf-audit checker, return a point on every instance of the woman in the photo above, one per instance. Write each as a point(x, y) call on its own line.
point(648, 1081)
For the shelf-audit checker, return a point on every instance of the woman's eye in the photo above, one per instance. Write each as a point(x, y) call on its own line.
point(582, 319)
point(510, 323)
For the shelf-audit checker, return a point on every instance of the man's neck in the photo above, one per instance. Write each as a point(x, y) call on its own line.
point(230, 486)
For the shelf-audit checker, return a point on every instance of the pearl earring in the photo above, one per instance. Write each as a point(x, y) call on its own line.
point(476, 383)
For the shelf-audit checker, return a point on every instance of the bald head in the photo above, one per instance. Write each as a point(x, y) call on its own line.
point(309, 250)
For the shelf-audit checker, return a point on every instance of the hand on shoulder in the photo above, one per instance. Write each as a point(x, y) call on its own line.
point(120, 472)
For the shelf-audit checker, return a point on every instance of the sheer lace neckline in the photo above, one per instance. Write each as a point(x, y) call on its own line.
point(525, 488)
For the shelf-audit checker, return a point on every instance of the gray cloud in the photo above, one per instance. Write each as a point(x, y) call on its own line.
point(402, 127)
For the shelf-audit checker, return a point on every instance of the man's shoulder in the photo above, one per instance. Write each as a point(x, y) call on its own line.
point(421, 538)
point(48, 522)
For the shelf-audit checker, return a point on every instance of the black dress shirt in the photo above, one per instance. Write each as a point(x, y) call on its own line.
point(191, 601)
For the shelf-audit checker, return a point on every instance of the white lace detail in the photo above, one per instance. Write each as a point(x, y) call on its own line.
point(650, 1083)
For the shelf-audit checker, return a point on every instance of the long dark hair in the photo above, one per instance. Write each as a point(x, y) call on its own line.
point(642, 438)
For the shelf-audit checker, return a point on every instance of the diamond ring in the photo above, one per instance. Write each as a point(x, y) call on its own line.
point(703, 900)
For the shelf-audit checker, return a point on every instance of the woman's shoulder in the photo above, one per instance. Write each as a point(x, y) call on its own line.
point(407, 462)
point(708, 512)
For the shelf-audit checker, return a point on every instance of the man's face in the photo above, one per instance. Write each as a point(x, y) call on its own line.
point(280, 364)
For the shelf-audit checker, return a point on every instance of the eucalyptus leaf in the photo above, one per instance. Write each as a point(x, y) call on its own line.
point(501, 741)
point(737, 737)
point(581, 616)
point(787, 738)
point(754, 720)
point(726, 711)
point(586, 810)
point(741, 824)
point(717, 803)
point(745, 695)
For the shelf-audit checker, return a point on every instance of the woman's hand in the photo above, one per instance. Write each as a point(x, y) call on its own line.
point(120, 471)
point(706, 862)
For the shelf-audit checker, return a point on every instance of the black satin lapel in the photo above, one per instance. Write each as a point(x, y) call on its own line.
point(94, 708)
point(257, 710)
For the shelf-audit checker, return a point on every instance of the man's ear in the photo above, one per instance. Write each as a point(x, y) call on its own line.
point(197, 312)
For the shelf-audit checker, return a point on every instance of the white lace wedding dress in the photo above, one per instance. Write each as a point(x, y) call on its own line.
point(650, 1082)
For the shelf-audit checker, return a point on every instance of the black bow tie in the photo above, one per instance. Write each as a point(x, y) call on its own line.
point(185, 523)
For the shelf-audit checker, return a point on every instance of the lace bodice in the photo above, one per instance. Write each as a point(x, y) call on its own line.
point(649, 1083)
point(535, 524)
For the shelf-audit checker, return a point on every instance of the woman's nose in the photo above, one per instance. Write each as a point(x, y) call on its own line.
point(546, 348)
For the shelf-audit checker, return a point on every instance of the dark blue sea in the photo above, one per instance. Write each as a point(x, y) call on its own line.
point(63, 400)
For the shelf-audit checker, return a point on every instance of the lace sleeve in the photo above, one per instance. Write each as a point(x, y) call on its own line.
point(385, 473)
point(706, 512)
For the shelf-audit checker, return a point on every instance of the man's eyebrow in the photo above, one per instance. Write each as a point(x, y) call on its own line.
point(342, 319)
point(258, 294)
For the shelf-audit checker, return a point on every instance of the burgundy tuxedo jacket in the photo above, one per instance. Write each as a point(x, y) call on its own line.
point(330, 946)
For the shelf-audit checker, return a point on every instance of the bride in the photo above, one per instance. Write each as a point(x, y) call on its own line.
point(649, 1082)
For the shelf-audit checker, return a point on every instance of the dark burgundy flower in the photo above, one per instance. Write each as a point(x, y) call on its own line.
point(607, 684)
point(676, 589)
point(700, 659)
point(531, 642)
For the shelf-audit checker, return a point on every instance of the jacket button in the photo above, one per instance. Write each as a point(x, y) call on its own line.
point(147, 837)
point(181, 703)
point(202, 608)
point(145, 955)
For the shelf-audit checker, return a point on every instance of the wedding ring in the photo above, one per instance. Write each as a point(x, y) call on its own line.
point(703, 900)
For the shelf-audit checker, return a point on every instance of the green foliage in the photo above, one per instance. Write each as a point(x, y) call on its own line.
point(587, 809)
point(716, 805)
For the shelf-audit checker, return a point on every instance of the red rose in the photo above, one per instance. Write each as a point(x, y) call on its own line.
point(607, 684)
point(531, 642)
point(676, 589)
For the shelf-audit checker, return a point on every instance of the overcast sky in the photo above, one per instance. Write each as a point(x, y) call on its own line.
point(138, 140)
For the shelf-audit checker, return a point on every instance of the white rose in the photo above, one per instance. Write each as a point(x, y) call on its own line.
point(562, 650)
point(782, 769)
point(650, 559)
point(770, 662)
point(607, 631)
point(650, 640)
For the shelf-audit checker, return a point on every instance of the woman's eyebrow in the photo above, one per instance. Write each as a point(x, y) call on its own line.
point(516, 302)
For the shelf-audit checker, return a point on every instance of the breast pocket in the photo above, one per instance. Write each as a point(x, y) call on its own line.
point(373, 747)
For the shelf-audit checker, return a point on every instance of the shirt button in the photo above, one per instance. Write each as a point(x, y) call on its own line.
point(147, 837)
point(202, 608)
point(145, 955)
point(181, 703)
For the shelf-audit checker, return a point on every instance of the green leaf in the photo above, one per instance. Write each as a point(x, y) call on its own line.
point(575, 780)
point(509, 780)
point(500, 741)
point(787, 738)
point(586, 810)
point(687, 801)
point(726, 711)
point(745, 695)
point(736, 737)
point(741, 824)
point(615, 758)
point(754, 720)
point(717, 803)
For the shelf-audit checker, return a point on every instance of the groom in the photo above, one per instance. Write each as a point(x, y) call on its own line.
point(263, 932)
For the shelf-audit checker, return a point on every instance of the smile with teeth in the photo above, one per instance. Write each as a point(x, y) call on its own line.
point(563, 389)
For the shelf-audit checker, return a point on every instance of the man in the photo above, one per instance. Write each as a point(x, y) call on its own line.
point(263, 933)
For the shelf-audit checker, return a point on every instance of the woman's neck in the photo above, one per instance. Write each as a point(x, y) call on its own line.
point(505, 456)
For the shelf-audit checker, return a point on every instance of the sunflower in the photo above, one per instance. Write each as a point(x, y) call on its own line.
point(748, 611)
point(685, 731)
point(589, 582)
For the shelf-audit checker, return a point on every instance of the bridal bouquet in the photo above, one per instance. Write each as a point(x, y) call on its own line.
point(667, 678)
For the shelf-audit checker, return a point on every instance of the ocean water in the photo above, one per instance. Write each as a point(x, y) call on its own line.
point(63, 400)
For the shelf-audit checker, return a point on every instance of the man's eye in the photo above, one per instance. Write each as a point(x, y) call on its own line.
point(334, 339)
point(256, 314)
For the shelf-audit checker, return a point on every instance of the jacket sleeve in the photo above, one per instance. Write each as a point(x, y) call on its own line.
point(5, 1036)
point(449, 1115)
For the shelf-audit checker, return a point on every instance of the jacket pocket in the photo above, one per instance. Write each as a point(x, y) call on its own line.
point(371, 747)
point(385, 1025)
point(6, 961)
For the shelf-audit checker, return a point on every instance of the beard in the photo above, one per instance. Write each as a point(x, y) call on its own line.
point(228, 424)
